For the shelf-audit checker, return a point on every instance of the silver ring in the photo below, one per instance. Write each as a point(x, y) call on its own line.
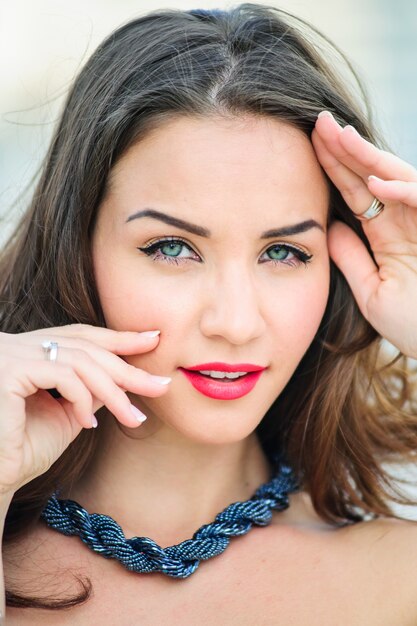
point(51, 350)
point(375, 209)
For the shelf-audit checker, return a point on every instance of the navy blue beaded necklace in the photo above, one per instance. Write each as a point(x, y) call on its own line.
point(143, 555)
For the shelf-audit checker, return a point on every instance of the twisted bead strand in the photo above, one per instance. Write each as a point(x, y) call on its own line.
point(103, 534)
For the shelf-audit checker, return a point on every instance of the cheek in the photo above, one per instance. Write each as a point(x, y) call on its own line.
point(142, 302)
point(296, 316)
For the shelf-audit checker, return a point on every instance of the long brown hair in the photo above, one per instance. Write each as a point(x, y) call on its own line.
point(344, 413)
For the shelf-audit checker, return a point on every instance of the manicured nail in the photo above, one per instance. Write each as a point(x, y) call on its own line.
point(139, 416)
point(150, 333)
point(161, 380)
point(325, 114)
point(351, 129)
point(94, 421)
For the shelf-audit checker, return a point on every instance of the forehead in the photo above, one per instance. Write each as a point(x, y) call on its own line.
point(214, 163)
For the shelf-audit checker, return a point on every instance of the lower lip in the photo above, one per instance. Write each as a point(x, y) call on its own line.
point(222, 390)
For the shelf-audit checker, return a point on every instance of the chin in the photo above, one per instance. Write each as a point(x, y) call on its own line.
point(213, 422)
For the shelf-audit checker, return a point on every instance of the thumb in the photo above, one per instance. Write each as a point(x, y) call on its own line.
point(350, 255)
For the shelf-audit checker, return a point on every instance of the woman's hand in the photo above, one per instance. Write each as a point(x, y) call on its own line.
point(386, 293)
point(36, 428)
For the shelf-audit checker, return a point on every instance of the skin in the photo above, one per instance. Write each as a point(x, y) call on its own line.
point(194, 455)
point(227, 301)
point(362, 172)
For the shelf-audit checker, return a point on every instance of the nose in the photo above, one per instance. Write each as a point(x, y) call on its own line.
point(232, 307)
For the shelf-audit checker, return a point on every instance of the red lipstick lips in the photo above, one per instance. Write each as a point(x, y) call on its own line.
point(223, 388)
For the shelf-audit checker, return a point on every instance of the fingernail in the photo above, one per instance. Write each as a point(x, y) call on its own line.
point(94, 421)
point(351, 129)
point(325, 114)
point(150, 333)
point(161, 380)
point(372, 177)
point(139, 416)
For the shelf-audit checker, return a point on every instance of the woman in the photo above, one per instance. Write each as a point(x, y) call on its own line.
point(193, 307)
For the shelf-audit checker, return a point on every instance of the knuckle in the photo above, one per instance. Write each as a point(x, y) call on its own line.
point(85, 394)
point(83, 343)
point(136, 372)
point(8, 380)
point(121, 389)
point(78, 355)
point(124, 400)
point(71, 381)
point(64, 369)
point(112, 397)
point(80, 330)
point(125, 377)
point(10, 370)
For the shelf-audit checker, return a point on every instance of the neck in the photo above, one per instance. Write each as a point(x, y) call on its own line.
point(164, 486)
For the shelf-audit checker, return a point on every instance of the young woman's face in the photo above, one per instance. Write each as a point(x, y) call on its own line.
point(187, 242)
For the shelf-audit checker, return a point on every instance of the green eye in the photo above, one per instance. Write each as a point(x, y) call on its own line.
point(171, 249)
point(177, 252)
point(284, 254)
point(278, 253)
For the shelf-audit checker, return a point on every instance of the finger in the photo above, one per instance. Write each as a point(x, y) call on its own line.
point(354, 261)
point(46, 427)
point(330, 131)
point(21, 381)
point(75, 352)
point(105, 376)
point(118, 342)
point(108, 389)
point(359, 154)
point(351, 186)
point(122, 373)
point(374, 160)
point(395, 190)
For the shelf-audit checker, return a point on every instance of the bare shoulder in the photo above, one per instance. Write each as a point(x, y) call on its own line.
point(392, 540)
point(398, 535)
point(369, 566)
point(387, 550)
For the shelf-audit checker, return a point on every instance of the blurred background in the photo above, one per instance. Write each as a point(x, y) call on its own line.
point(44, 43)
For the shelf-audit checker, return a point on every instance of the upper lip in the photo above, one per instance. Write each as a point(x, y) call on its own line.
point(226, 367)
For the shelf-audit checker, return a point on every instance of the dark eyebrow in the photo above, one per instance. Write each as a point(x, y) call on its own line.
point(204, 232)
point(294, 229)
point(172, 221)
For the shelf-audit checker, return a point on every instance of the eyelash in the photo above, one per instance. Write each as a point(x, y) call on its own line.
point(152, 250)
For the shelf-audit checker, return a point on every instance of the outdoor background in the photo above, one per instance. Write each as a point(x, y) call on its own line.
point(43, 44)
